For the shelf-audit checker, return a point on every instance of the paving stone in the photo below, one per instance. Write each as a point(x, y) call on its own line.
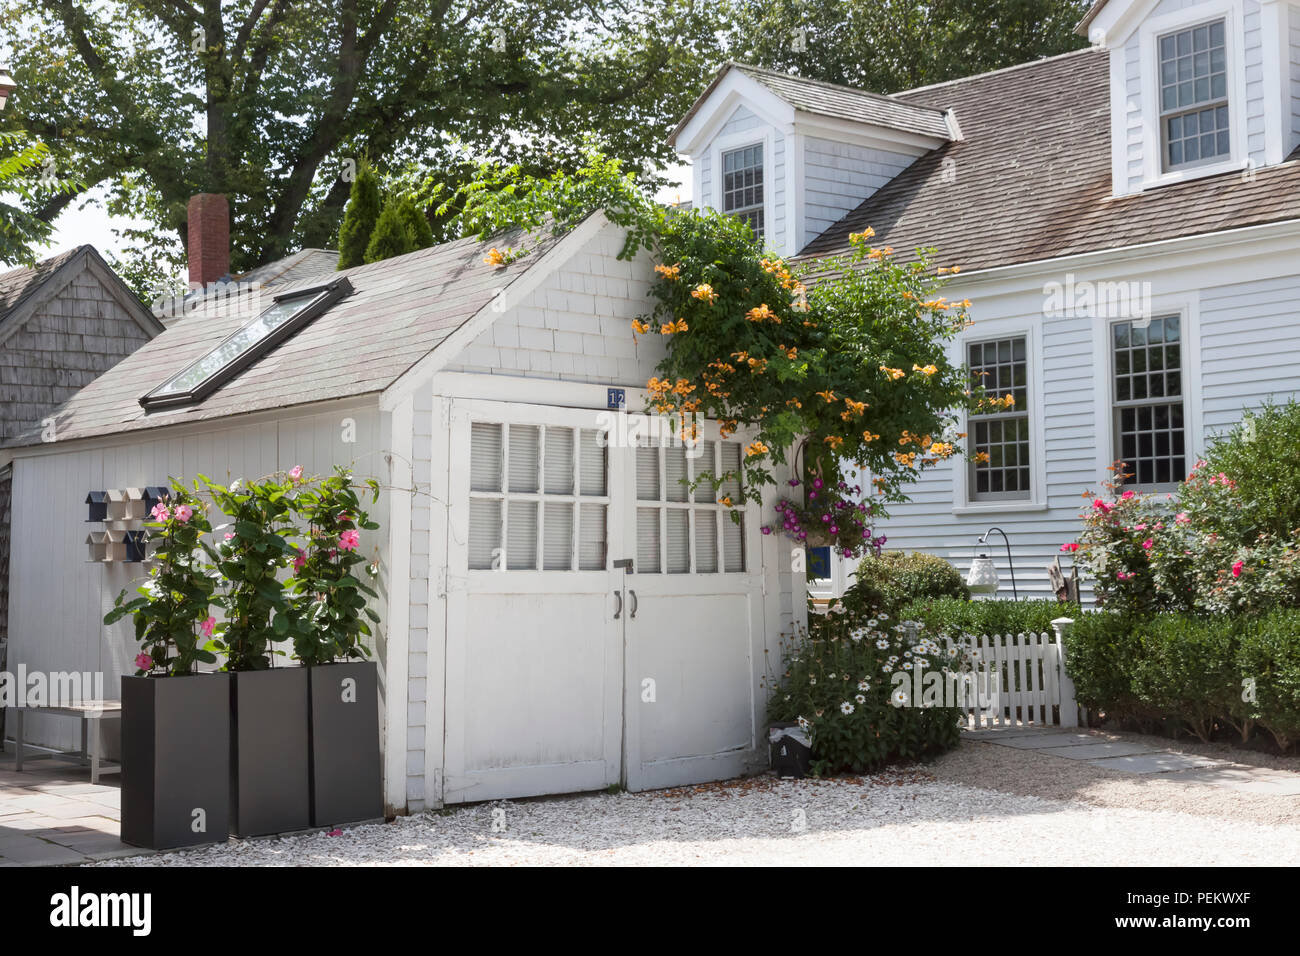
point(1049, 741)
point(1031, 730)
point(1159, 762)
point(1243, 778)
point(1109, 748)
point(45, 854)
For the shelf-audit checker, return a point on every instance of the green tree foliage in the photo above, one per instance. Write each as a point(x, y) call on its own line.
point(887, 47)
point(392, 235)
point(417, 223)
point(267, 101)
point(359, 217)
point(25, 176)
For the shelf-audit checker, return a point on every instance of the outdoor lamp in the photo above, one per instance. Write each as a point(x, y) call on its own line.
point(7, 86)
point(983, 577)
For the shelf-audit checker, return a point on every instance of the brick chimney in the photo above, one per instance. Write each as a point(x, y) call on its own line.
point(209, 238)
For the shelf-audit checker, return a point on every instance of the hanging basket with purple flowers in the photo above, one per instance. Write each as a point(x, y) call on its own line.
point(830, 516)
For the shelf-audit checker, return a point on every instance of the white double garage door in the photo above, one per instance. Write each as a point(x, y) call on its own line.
point(567, 670)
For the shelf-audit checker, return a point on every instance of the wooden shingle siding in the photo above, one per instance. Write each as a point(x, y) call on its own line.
point(839, 176)
point(577, 325)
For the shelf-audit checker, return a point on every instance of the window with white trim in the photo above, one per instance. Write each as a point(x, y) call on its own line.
point(999, 461)
point(680, 532)
point(1194, 116)
point(539, 498)
point(742, 186)
point(1148, 400)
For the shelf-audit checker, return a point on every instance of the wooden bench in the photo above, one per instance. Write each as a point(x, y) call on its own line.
point(91, 741)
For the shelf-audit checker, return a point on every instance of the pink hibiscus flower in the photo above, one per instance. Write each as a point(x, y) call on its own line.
point(207, 625)
point(184, 513)
point(144, 662)
point(348, 540)
point(160, 512)
point(296, 472)
point(299, 560)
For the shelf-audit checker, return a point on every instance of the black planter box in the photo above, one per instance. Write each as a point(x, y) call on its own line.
point(345, 770)
point(175, 760)
point(268, 751)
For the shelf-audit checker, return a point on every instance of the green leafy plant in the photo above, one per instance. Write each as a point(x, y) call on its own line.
point(1101, 650)
point(850, 682)
point(329, 597)
point(892, 580)
point(1269, 664)
point(172, 618)
point(250, 559)
point(359, 217)
point(955, 615)
point(1187, 668)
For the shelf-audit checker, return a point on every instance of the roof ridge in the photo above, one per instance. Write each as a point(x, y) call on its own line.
point(1002, 69)
point(883, 97)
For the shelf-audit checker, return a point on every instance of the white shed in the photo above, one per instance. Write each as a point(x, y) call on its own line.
point(558, 614)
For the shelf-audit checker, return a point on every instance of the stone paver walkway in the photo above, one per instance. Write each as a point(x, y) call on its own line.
point(51, 814)
point(1129, 756)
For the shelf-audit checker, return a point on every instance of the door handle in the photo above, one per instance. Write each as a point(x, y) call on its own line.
point(618, 610)
point(635, 602)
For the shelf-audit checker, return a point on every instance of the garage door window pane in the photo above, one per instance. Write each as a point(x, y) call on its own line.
point(559, 461)
point(591, 544)
point(521, 536)
point(647, 540)
point(557, 553)
point(485, 457)
point(524, 457)
point(706, 541)
point(484, 532)
point(592, 462)
point(679, 544)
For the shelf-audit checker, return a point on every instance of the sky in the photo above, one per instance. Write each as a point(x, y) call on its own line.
point(93, 225)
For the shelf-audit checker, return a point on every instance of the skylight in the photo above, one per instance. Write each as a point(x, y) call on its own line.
point(286, 315)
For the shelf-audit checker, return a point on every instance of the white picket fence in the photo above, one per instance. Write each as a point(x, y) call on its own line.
point(1021, 679)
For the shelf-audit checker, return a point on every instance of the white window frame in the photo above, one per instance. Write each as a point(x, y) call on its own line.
point(973, 420)
point(726, 144)
point(1191, 109)
point(1154, 172)
point(1185, 305)
point(964, 500)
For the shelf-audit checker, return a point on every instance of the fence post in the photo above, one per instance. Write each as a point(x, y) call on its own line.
point(1069, 708)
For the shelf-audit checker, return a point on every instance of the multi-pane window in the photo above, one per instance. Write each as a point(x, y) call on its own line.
point(1000, 436)
point(1194, 95)
point(680, 532)
point(742, 186)
point(1149, 400)
point(539, 498)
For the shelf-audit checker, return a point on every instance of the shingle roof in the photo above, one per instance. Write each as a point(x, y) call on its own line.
point(828, 99)
point(17, 284)
point(401, 309)
point(1031, 178)
point(301, 265)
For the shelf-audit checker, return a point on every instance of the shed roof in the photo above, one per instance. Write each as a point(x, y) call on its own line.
point(401, 309)
point(1031, 178)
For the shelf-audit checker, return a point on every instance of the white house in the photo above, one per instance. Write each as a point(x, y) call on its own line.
point(557, 615)
point(1127, 223)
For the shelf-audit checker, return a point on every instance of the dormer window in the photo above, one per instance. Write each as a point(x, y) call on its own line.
point(1194, 96)
point(742, 186)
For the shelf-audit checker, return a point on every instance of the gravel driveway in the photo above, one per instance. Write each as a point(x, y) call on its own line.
point(896, 818)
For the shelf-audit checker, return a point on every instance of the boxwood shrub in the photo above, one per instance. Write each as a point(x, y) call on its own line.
point(1186, 667)
point(1101, 649)
point(1269, 662)
point(956, 616)
point(894, 579)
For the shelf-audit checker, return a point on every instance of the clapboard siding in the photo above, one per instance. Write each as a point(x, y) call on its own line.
point(58, 598)
point(838, 177)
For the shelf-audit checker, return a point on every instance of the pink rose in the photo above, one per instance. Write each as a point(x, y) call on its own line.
point(1147, 544)
point(1126, 495)
point(230, 535)
point(1070, 546)
point(160, 512)
point(207, 625)
point(348, 540)
point(296, 472)
point(1181, 518)
point(1140, 527)
point(1236, 569)
point(144, 662)
point(184, 513)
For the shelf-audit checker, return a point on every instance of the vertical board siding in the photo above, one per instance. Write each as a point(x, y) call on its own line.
point(838, 177)
point(1252, 37)
point(1292, 71)
point(58, 599)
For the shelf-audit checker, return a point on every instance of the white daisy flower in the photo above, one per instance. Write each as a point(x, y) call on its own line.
point(899, 698)
point(907, 665)
point(812, 680)
point(884, 617)
point(952, 652)
point(831, 676)
point(887, 668)
point(846, 708)
point(922, 662)
point(860, 698)
point(864, 685)
point(872, 623)
point(882, 644)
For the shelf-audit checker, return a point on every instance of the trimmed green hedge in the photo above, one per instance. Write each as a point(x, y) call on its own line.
point(954, 616)
point(887, 583)
point(1200, 672)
